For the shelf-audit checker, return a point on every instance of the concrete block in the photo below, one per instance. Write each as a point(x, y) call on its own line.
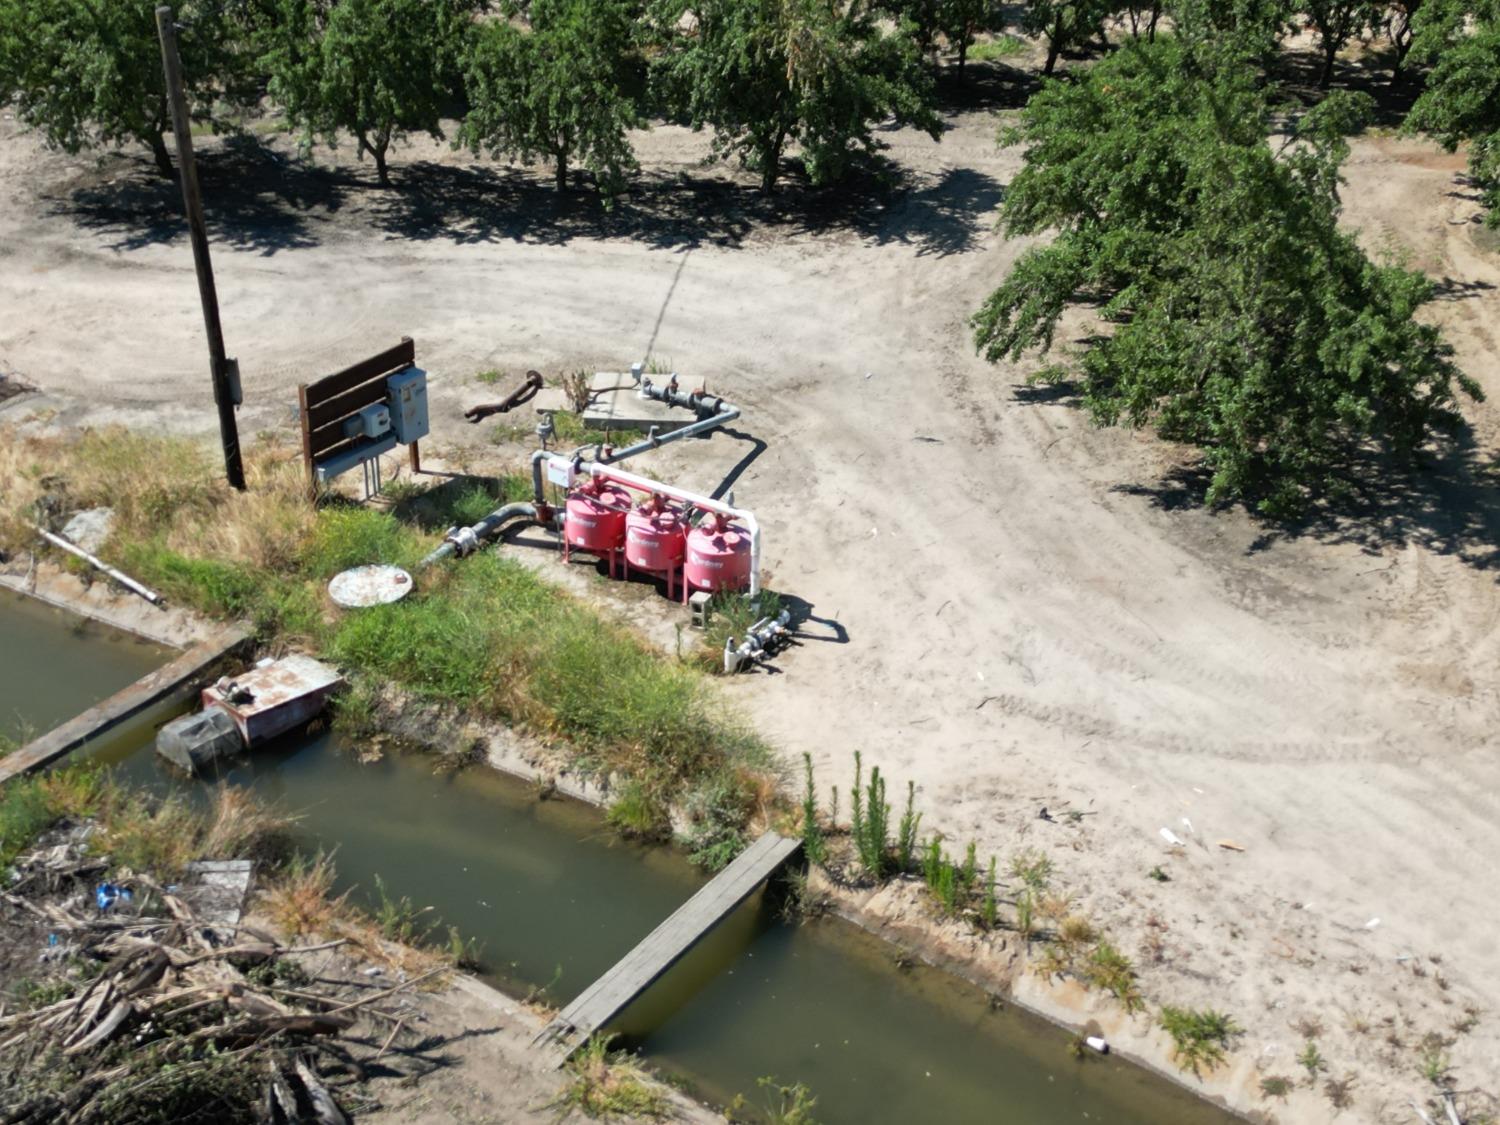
point(617, 405)
point(698, 606)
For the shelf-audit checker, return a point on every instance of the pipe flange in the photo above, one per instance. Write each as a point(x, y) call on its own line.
point(464, 541)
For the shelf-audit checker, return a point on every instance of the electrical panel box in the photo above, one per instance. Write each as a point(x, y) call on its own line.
point(371, 422)
point(407, 396)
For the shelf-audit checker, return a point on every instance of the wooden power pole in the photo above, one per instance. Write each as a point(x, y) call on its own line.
point(192, 200)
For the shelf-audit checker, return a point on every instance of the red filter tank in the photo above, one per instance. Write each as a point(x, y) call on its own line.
point(595, 517)
point(655, 537)
point(718, 556)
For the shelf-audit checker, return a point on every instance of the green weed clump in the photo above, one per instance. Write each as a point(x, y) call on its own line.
point(871, 825)
point(814, 845)
point(1112, 971)
point(1001, 47)
point(399, 919)
point(607, 1084)
point(906, 832)
point(636, 812)
point(32, 804)
point(1311, 1060)
point(1199, 1036)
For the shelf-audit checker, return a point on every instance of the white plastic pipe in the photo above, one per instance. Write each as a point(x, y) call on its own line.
point(697, 500)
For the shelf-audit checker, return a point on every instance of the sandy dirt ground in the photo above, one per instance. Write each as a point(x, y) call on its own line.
point(1010, 607)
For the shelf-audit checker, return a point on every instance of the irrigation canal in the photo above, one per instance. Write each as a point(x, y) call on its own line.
point(554, 899)
point(54, 664)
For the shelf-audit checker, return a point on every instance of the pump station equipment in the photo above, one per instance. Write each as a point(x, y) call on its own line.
point(352, 417)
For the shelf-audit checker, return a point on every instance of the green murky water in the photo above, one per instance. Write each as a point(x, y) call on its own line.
point(54, 665)
point(553, 899)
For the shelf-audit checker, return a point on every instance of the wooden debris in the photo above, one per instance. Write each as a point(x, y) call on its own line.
point(1231, 846)
point(164, 995)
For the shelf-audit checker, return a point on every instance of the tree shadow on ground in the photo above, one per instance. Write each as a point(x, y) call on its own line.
point(479, 203)
point(1448, 502)
point(984, 84)
point(1299, 70)
point(258, 199)
point(254, 198)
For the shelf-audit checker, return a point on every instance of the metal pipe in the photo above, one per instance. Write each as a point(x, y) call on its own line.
point(123, 579)
point(717, 411)
point(461, 541)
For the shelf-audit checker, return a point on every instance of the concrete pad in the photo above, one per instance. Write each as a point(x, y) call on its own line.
point(215, 889)
point(616, 405)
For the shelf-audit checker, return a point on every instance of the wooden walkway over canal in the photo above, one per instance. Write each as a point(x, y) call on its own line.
point(664, 946)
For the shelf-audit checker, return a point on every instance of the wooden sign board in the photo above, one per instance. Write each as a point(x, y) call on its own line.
point(322, 406)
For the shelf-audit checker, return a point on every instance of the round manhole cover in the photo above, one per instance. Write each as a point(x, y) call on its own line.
point(369, 585)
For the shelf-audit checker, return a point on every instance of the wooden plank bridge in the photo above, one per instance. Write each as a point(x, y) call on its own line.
point(664, 946)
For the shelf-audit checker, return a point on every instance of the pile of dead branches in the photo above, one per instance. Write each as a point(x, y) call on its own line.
point(170, 1017)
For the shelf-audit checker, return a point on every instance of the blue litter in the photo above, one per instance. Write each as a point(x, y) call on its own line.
point(107, 895)
point(51, 939)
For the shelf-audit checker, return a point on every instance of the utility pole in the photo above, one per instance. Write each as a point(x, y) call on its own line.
point(225, 393)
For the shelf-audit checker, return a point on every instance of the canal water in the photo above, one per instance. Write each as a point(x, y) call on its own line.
point(54, 665)
point(554, 900)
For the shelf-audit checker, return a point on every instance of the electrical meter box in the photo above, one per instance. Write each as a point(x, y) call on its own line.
point(371, 422)
point(407, 395)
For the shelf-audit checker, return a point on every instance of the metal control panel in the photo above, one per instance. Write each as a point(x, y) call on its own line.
point(406, 395)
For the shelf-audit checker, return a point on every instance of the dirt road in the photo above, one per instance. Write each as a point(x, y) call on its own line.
point(1008, 606)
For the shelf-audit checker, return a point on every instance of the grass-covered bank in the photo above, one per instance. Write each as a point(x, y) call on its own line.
point(484, 633)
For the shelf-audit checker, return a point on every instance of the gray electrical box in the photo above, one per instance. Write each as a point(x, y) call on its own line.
point(407, 391)
point(371, 422)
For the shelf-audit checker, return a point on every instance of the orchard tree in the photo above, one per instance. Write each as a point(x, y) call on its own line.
point(1253, 28)
point(924, 18)
point(957, 21)
point(1399, 22)
point(1238, 316)
point(767, 73)
point(1337, 22)
point(556, 89)
point(962, 21)
point(1461, 102)
point(86, 73)
point(1143, 18)
point(376, 69)
point(1066, 24)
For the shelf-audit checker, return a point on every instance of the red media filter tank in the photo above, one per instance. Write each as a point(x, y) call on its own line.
point(718, 556)
point(655, 537)
point(595, 519)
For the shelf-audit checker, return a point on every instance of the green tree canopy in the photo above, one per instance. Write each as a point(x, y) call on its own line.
point(1252, 28)
point(1462, 99)
point(1337, 22)
point(1238, 317)
point(557, 89)
point(377, 69)
point(1065, 24)
point(86, 72)
point(764, 73)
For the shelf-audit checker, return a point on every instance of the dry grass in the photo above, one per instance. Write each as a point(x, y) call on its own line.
point(162, 838)
point(161, 488)
point(300, 898)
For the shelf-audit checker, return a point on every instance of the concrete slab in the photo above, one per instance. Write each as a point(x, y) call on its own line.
point(215, 889)
point(617, 406)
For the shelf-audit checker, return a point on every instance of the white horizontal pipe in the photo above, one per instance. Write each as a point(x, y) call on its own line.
point(123, 579)
point(696, 499)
